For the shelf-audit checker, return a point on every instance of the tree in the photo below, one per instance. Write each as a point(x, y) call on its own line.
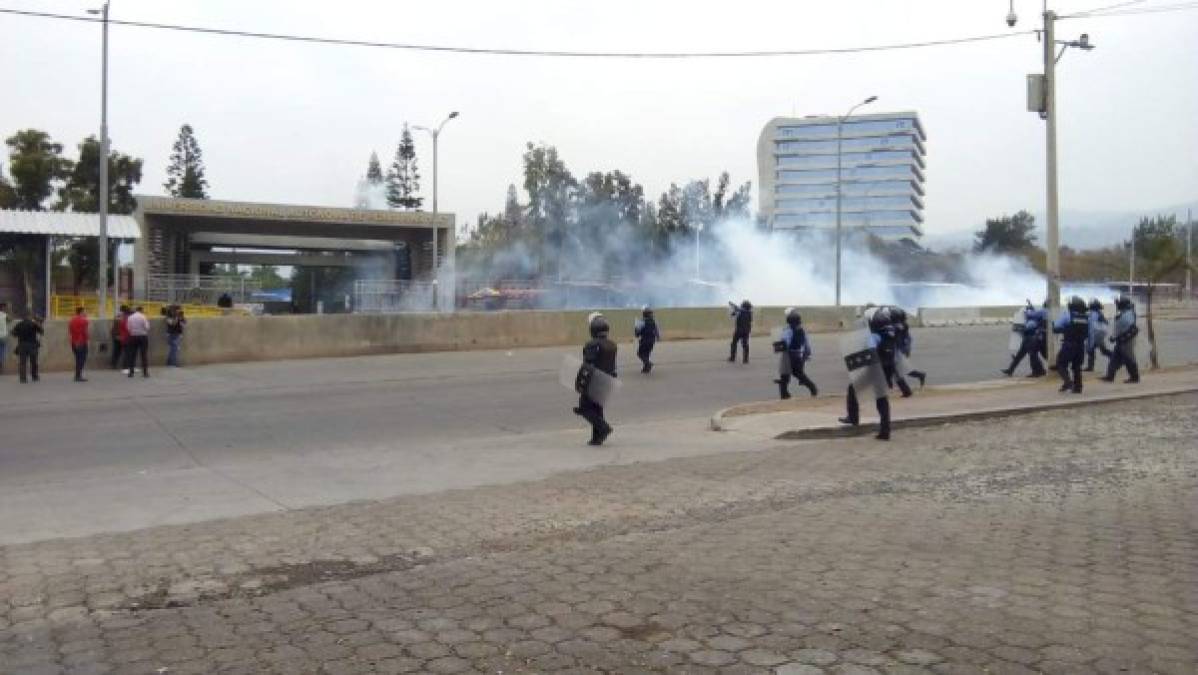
point(82, 187)
point(550, 186)
point(37, 166)
point(185, 174)
point(403, 178)
point(374, 171)
point(513, 213)
point(1160, 254)
point(8, 195)
point(1008, 234)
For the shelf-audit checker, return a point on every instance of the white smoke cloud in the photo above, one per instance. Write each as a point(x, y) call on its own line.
point(739, 261)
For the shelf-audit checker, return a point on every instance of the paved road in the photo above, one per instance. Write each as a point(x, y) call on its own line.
point(1064, 543)
point(357, 426)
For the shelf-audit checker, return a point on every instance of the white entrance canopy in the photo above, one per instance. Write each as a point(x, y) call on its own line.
point(65, 224)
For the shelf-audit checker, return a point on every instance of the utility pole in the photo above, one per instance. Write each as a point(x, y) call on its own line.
point(1131, 273)
point(1052, 234)
point(1189, 253)
point(102, 278)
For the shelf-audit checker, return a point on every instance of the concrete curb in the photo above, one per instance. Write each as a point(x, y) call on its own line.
point(828, 431)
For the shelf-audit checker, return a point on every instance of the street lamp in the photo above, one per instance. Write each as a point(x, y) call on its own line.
point(839, 138)
point(436, 133)
point(102, 280)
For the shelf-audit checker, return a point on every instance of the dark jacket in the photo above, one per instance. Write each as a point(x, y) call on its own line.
point(647, 332)
point(174, 326)
point(744, 321)
point(26, 332)
point(601, 353)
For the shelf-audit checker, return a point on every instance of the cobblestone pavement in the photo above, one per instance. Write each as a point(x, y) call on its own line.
point(1056, 542)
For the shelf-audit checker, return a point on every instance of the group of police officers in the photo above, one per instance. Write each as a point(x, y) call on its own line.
point(877, 355)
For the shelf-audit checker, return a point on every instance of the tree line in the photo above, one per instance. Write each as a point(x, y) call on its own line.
point(603, 217)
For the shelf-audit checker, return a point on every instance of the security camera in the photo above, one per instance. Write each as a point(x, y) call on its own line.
point(1012, 18)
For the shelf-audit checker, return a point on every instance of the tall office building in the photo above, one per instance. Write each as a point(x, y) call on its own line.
point(882, 173)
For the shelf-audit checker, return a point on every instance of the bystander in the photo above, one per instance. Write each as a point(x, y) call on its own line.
point(139, 342)
point(78, 328)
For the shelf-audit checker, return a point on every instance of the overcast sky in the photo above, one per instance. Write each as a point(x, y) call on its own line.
point(295, 123)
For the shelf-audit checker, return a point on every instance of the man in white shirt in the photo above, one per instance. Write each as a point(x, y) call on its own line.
point(139, 342)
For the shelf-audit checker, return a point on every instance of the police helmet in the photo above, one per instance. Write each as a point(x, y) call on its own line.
point(880, 319)
point(793, 317)
point(1076, 304)
point(598, 325)
point(898, 315)
point(745, 304)
point(646, 311)
point(1095, 305)
point(1123, 301)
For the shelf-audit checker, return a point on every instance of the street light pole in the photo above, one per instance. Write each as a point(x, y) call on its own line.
point(436, 134)
point(839, 142)
point(102, 279)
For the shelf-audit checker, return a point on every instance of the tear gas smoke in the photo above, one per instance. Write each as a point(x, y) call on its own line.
point(736, 260)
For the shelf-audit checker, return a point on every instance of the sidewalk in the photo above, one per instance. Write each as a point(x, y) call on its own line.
point(803, 418)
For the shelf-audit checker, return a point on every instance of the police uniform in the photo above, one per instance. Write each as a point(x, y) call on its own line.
point(599, 353)
point(1074, 327)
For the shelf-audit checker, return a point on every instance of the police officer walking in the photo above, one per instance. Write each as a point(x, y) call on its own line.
point(1095, 341)
point(646, 332)
point(1124, 338)
point(878, 344)
point(795, 349)
point(600, 354)
point(1033, 344)
point(743, 316)
point(1074, 327)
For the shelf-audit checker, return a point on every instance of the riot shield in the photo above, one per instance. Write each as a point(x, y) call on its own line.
point(864, 364)
point(585, 379)
point(1018, 322)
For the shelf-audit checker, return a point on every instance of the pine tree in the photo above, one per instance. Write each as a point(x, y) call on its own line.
point(403, 178)
point(186, 170)
point(374, 172)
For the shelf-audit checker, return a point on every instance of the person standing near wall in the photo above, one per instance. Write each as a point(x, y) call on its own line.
point(120, 336)
point(3, 334)
point(27, 332)
point(175, 323)
point(139, 342)
point(77, 329)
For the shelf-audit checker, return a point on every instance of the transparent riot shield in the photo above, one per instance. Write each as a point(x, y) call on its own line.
point(863, 363)
point(780, 350)
point(1018, 322)
point(583, 378)
point(1126, 332)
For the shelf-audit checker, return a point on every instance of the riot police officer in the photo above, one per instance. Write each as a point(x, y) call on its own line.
point(795, 349)
point(1095, 341)
point(600, 354)
point(1074, 327)
point(880, 340)
point(646, 332)
point(1033, 344)
point(1124, 339)
point(743, 316)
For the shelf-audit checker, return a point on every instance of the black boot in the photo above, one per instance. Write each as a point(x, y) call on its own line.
point(814, 390)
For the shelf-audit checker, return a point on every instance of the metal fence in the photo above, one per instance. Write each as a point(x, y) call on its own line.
point(199, 289)
point(391, 296)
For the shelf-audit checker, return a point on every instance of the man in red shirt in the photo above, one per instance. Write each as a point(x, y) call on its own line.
point(77, 329)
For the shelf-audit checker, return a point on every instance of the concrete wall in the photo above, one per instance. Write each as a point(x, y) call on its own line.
point(237, 338)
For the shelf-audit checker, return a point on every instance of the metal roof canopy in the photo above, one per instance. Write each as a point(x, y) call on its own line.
point(66, 224)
